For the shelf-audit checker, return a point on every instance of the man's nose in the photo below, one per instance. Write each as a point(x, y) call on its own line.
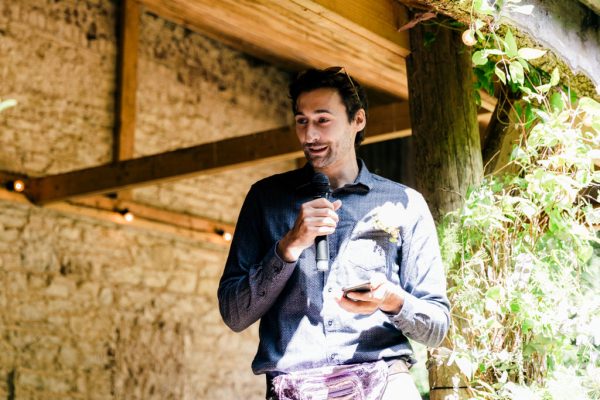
point(312, 134)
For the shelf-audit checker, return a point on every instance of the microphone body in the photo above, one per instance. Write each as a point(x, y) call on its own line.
point(321, 185)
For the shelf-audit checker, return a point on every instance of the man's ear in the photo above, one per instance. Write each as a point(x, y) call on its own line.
point(360, 119)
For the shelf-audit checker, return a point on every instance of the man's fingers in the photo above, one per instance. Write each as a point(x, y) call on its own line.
point(336, 205)
point(357, 307)
point(321, 202)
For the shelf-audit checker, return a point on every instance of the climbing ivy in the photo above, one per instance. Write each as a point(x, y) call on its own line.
point(523, 280)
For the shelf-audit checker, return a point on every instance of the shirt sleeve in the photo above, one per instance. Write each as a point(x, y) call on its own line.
point(425, 315)
point(254, 274)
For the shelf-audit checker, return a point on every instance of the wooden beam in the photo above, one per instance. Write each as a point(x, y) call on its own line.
point(126, 95)
point(378, 21)
point(304, 33)
point(445, 128)
point(385, 122)
point(203, 228)
point(148, 218)
point(127, 56)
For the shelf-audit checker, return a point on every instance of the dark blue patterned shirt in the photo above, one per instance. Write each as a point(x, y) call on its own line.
point(384, 227)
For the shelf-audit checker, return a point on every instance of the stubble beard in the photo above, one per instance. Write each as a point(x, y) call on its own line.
point(320, 161)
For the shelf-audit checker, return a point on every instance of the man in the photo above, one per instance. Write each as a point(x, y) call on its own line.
point(314, 337)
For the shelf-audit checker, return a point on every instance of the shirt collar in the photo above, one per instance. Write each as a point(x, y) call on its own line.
point(362, 184)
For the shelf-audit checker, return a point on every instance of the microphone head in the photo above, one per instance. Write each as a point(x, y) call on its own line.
point(320, 183)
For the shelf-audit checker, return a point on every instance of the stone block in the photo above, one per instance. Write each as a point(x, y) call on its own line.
point(68, 357)
point(183, 282)
point(156, 278)
point(9, 235)
point(106, 296)
point(124, 275)
point(60, 287)
point(96, 311)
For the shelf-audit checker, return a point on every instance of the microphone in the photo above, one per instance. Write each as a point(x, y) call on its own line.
point(320, 183)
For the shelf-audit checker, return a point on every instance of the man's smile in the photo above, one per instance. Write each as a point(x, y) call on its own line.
point(316, 149)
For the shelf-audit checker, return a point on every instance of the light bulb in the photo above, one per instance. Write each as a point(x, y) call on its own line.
point(18, 186)
point(128, 216)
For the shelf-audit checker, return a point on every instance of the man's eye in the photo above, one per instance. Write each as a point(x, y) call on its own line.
point(301, 121)
point(323, 120)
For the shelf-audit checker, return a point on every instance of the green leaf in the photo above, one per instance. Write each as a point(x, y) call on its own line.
point(556, 101)
point(465, 366)
point(527, 325)
point(530, 54)
point(510, 44)
point(479, 58)
point(589, 105)
point(478, 24)
point(477, 97)
point(494, 293)
point(516, 72)
point(555, 77)
point(515, 306)
point(482, 7)
point(543, 88)
point(524, 63)
point(500, 74)
point(496, 52)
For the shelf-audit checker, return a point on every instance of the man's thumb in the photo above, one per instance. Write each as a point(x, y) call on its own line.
point(336, 205)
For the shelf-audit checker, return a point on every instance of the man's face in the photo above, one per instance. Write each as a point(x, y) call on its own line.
point(322, 126)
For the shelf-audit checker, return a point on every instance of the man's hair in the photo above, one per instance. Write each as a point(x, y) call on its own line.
point(352, 94)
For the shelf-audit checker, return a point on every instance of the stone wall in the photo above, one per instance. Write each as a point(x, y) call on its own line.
point(94, 310)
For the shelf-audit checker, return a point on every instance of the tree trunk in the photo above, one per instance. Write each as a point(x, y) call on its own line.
point(444, 116)
point(501, 136)
point(446, 139)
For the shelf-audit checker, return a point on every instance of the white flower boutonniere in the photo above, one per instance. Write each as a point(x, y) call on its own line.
point(388, 218)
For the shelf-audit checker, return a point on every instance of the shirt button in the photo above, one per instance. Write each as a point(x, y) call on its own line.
point(330, 290)
point(330, 322)
point(261, 293)
point(333, 356)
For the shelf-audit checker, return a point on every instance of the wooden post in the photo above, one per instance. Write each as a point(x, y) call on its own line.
point(127, 58)
point(444, 116)
point(446, 139)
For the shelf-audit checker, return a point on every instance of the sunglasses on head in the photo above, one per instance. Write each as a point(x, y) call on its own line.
point(340, 70)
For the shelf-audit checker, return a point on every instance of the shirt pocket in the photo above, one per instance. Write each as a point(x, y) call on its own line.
point(368, 253)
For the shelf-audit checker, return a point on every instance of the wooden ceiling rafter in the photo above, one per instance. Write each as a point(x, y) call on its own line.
point(389, 122)
point(315, 33)
point(127, 79)
point(359, 34)
point(300, 33)
point(127, 60)
point(146, 217)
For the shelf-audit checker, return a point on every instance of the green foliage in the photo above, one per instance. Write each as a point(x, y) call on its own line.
point(523, 290)
point(523, 280)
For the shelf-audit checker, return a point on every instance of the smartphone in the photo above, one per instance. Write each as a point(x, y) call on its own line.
point(359, 287)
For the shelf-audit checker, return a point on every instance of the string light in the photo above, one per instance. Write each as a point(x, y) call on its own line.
point(18, 185)
point(227, 236)
point(127, 215)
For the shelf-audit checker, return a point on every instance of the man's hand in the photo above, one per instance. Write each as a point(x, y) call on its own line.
point(316, 218)
point(384, 295)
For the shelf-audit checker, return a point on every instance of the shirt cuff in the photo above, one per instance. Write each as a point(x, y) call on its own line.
point(404, 320)
point(273, 265)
